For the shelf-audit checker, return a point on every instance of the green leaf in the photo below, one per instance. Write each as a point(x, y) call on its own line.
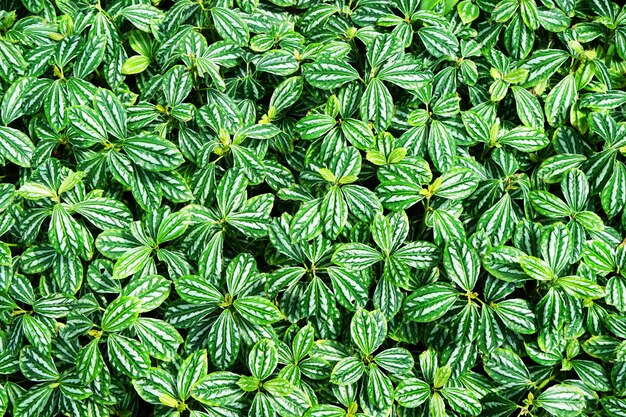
point(461, 400)
point(368, 330)
point(398, 361)
point(258, 310)
point(261, 405)
point(356, 256)
point(349, 288)
point(528, 108)
point(231, 191)
point(13, 62)
point(543, 64)
point(303, 342)
point(599, 256)
point(439, 42)
point(104, 213)
point(286, 93)
point(177, 85)
point(157, 388)
point(379, 388)
point(230, 25)
point(592, 374)
point(89, 362)
point(54, 305)
point(294, 402)
point(412, 392)
point(537, 268)
point(191, 371)
point(441, 146)
point(89, 126)
point(56, 105)
point(516, 315)
point(420, 255)
point(462, 264)
point(559, 100)
point(263, 359)
point(525, 139)
point(498, 221)
point(132, 261)
point(358, 133)
point(548, 204)
point(91, 56)
point(278, 62)
point(347, 371)
point(35, 191)
point(37, 401)
point(580, 287)
point(562, 400)
point(142, 16)
point(159, 338)
point(575, 189)
point(197, 290)
point(120, 314)
point(405, 74)
point(64, 232)
point(16, 146)
point(616, 293)
point(218, 389)
point(127, 356)
point(14, 100)
point(172, 227)
point(398, 195)
point(505, 367)
point(37, 366)
point(153, 153)
point(456, 184)
point(224, 340)
point(334, 211)
point(112, 111)
point(325, 410)
point(377, 105)
point(382, 233)
point(329, 74)
point(430, 302)
point(314, 126)
point(613, 200)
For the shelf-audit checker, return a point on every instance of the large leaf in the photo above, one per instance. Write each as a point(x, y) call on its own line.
point(153, 153)
point(16, 146)
point(430, 302)
point(329, 74)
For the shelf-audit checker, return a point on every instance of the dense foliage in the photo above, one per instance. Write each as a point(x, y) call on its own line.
point(295, 208)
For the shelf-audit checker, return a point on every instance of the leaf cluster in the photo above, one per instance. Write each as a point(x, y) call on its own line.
point(287, 208)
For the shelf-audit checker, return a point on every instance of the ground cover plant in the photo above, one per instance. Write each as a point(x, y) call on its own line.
point(312, 208)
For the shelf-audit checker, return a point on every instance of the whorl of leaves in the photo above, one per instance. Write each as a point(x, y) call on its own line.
point(263, 208)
